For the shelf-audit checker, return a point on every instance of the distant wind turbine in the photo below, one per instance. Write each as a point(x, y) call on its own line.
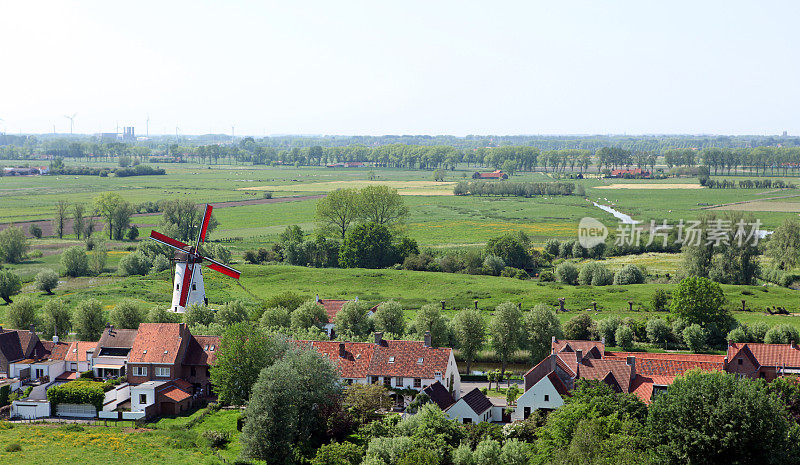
point(147, 127)
point(71, 121)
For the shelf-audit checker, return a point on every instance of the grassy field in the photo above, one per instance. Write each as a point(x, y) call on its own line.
point(167, 441)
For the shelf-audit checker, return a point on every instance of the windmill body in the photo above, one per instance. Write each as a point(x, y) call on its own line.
point(188, 287)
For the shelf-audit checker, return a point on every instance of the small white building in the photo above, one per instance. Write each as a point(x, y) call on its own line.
point(547, 394)
point(474, 407)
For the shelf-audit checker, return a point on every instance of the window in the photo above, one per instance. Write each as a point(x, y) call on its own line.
point(526, 413)
point(739, 361)
point(349, 381)
point(467, 421)
point(143, 398)
point(438, 374)
point(547, 398)
point(139, 371)
point(387, 381)
point(762, 375)
point(417, 382)
point(398, 381)
point(391, 359)
point(194, 286)
point(162, 372)
point(375, 379)
point(177, 287)
point(419, 361)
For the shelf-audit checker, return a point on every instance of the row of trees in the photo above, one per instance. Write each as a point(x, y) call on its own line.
point(515, 189)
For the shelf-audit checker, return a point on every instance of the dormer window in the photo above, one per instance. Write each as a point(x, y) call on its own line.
point(206, 347)
point(419, 361)
point(165, 352)
point(144, 351)
point(391, 359)
point(212, 347)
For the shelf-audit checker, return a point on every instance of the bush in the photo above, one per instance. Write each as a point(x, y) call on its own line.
point(547, 276)
point(98, 259)
point(160, 263)
point(629, 274)
point(781, 334)
point(607, 328)
point(75, 261)
point(10, 285)
point(738, 335)
point(660, 300)
point(14, 447)
point(493, 265)
point(132, 233)
point(127, 314)
point(21, 314)
point(35, 231)
point(595, 274)
point(221, 253)
point(624, 337)
point(695, 337)
point(567, 273)
point(552, 247)
point(758, 331)
point(136, 263)
point(658, 331)
point(217, 439)
point(13, 245)
point(46, 280)
point(580, 327)
point(77, 392)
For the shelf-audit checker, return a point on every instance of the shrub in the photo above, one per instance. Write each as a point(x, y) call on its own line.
point(10, 284)
point(127, 314)
point(13, 245)
point(35, 231)
point(624, 337)
point(695, 337)
point(160, 263)
point(758, 331)
point(136, 263)
point(75, 261)
point(660, 300)
point(595, 274)
point(580, 327)
point(46, 280)
point(567, 273)
point(738, 335)
point(132, 233)
point(629, 274)
point(552, 247)
point(547, 276)
point(98, 259)
point(781, 334)
point(14, 447)
point(77, 392)
point(21, 314)
point(216, 439)
point(493, 265)
point(221, 253)
point(607, 328)
point(657, 331)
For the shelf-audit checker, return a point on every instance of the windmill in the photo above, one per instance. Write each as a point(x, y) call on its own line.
point(71, 121)
point(189, 287)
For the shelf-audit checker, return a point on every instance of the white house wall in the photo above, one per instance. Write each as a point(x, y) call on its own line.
point(534, 399)
point(461, 410)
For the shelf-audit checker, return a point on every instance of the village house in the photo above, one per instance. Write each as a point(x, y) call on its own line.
point(494, 175)
point(404, 367)
point(332, 308)
point(111, 354)
point(549, 383)
point(765, 361)
point(472, 407)
point(629, 173)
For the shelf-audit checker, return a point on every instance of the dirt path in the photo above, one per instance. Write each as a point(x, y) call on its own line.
point(712, 207)
point(49, 230)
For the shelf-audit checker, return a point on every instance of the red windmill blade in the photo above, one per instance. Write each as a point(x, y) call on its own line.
point(193, 256)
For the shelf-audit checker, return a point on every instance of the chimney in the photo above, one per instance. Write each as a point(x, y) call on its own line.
point(110, 329)
point(341, 349)
point(427, 338)
point(378, 337)
point(552, 345)
point(55, 339)
point(631, 361)
point(578, 356)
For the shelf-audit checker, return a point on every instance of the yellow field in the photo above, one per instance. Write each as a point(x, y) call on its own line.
point(403, 187)
point(762, 206)
point(650, 186)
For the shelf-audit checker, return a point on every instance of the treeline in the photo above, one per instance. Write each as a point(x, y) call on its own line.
point(513, 189)
point(746, 184)
point(57, 167)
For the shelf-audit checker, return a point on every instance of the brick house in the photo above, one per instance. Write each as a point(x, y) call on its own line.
point(494, 175)
point(766, 361)
point(111, 354)
point(17, 345)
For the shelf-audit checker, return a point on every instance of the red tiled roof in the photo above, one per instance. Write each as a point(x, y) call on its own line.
point(58, 351)
point(202, 350)
point(183, 384)
point(157, 343)
point(772, 355)
point(67, 376)
point(332, 307)
point(409, 359)
point(357, 356)
point(642, 386)
point(600, 369)
point(77, 351)
point(670, 364)
point(595, 348)
point(175, 393)
point(558, 384)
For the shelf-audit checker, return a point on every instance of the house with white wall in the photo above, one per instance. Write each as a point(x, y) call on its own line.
point(474, 407)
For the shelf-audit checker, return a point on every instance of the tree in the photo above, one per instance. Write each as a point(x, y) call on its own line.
point(430, 318)
point(309, 314)
point(382, 205)
point(540, 326)
point(46, 280)
point(89, 320)
point(182, 219)
point(567, 273)
point(56, 319)
point(127, 314)
point(607, 328)
point(13, 245)
point(35, 230)
point(286, 411)
point(699, 300)
point(231, 313)
point(338, 453)
point(389, 318)
point(715, 417)
point(629, 274)
point(62, 206)
point(364, 401)
point(512, 248)
point(115, 211)
point(695, 337)
point(78, 221)
point(660, 300)
point(783, 245)
point(782, 334)
point(243, 352)
point(438, 175)
point(367, 246)
point(75, 261)
point(10, 284)
point(197, 314)
point(469, 331)
point(658, 331)
point(21, 314)
point(624, 337)
point(352, 319)
point(162, 315)
point(506, 331)
point(275, 317)
point(338, 210)
point(132, 234)
point(579, 327)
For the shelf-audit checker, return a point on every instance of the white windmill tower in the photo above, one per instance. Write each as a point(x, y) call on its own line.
point(188, 286)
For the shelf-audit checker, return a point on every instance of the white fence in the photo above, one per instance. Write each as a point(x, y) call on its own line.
point(76, 410)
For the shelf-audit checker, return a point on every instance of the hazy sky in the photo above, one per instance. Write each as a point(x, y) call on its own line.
point(402, 67)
